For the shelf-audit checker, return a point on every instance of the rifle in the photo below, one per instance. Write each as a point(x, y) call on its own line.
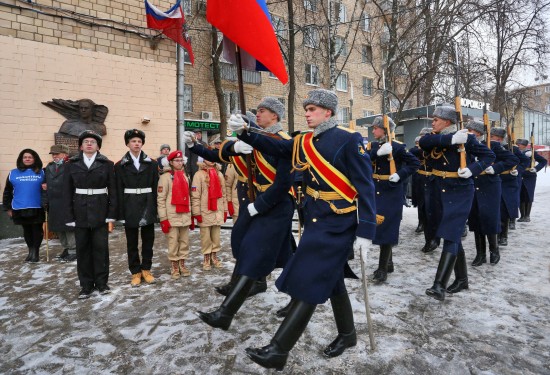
point(509, 126)
point(458, 109)
point(532, 145)
point(386, 123)
point(486, 121)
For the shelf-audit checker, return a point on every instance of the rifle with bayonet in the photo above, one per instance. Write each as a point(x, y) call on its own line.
point(532, 145)
point(458, 109)
point(486, 121)
point(386, 122)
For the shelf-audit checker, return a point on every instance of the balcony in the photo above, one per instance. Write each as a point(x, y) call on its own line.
point(229, 73)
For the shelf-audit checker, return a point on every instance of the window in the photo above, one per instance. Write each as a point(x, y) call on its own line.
point(365, 22)
point(343, 115)
point(367, 86)
point(311, 36)
point(341, 47)
point(366, 54)
point(342, 82)
point(340, 11)
point(279, 25)
point(312, 74)
point(186, 6)
point(547, 108)
point(186, 57)
point(546, 89)
point(187, 98)
point(367, 113)
point(538, 92)
point(310, 5)
point(231, 101)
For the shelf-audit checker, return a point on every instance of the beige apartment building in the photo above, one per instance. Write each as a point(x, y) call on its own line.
point(102, 50)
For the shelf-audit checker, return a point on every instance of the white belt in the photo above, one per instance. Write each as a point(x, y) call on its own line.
point(138, 191)
point(91, 191)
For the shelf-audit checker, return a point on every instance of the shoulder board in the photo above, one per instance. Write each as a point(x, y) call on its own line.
point(346, 129)
point(283, 135)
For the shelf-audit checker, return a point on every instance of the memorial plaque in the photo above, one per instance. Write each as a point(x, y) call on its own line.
point(68, 140)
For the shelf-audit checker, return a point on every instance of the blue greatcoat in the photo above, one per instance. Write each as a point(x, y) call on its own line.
point(263, 242)
point(390, 195)
point(316, 271)
point(529, 179)
point(485, 214)
point(417, 196)
point(511, 186)
point(451, 196)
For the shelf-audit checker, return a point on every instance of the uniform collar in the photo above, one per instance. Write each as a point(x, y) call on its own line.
point(324, 126)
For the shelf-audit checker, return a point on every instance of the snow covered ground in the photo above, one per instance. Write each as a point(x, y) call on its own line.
point(501, 325)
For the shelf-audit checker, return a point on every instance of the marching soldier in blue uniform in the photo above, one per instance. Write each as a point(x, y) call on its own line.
point(511, 187)
point(529, 180)
point(261, 239)
point(484, 219)
point(451, 187)
point(389, 190)
point(339, 208)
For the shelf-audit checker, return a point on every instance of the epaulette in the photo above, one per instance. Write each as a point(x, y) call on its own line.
point(346, 129)
point(283, 135)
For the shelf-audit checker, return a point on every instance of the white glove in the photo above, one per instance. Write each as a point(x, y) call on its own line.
point(252, 210)
point(534, 170)
point(460, 137)
point(241, 147)
point(236, 123)
point(395, 178)
point(189, 139)
point(528, 154)
point(464, 173)
point(514, 172)
point(385, 149)
point(362, 244)
point(71, 224)
point(490, 170)
point(122, 222)
point(110, 220)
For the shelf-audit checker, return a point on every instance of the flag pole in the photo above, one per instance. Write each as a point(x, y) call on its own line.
point(180, 97)
point(251, 195)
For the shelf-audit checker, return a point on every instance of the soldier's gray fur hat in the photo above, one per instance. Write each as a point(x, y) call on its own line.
point(274, 105)
point(425, 131)
point(379, 123)
point(417, 139)
point(322, 98)
point(521, 141)
point(445, 112)
point(499, 132)
point(478, 126)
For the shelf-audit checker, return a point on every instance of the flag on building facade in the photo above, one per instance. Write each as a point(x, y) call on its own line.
point(248, 24)
point(171, 23)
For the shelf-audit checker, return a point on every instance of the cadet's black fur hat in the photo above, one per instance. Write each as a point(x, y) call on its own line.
point(89, 134)
point(134, 133)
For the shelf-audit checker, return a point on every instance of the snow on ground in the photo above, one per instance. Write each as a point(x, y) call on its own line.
point(501, 325)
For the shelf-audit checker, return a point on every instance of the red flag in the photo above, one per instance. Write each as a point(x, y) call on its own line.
point(248, 24)
point(171, 23)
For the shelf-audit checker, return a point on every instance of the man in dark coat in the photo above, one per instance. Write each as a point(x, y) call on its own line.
point(191, 166)
point(529, 180)
point(54, 202)
point(137, 180)
point(339, 213)
point(451, 187)
point(90, 188)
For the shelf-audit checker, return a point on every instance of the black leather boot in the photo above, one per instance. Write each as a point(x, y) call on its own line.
point(275, 354)
point(444, 270)
point(420, 227)
point(281, 313)
point(222, 317)
point(481, 250)
point(461, 274)
point(465, 231)
point(34, 255)
point(381, 274)
point(430, 246)
point(29, 255)
point(390, 262)
point(494, 254)
point(528, 206)
point(259, 286)
point(503, 236)
point(343, 315)
point(224, 289)
point(521, 212)
point(512, 225)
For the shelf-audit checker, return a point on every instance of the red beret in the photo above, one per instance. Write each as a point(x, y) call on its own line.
point(175, 154)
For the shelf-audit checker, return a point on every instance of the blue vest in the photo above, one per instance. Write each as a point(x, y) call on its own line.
point(27, 187)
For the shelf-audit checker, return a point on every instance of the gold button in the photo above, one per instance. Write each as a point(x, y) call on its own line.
point(477, 188)
point(377, 192)
point(444, 163)
point(314, 220)
point(443, 190)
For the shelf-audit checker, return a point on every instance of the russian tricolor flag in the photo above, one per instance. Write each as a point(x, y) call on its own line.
point(248, 24)
point(171, 23)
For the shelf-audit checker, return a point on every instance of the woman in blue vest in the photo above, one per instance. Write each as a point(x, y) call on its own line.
point(22, 199)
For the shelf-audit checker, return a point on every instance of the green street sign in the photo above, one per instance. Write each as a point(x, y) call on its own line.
point(201, 125)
